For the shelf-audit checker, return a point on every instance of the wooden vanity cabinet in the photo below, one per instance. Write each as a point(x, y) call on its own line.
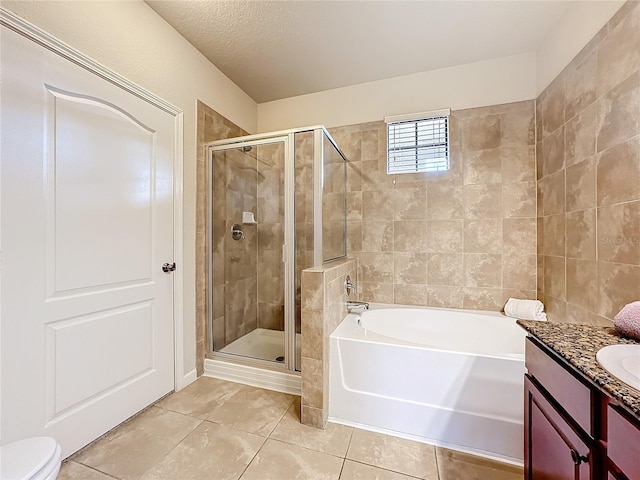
point(572, 429)
point(554, 450)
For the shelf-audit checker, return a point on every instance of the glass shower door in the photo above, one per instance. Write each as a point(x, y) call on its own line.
point(248, 224)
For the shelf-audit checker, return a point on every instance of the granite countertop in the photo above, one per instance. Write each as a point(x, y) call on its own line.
point(578, 345)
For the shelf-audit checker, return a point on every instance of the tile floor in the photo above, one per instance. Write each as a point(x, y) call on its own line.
point(221, 430)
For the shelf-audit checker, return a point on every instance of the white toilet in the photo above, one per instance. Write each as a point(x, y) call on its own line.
point(36, 458)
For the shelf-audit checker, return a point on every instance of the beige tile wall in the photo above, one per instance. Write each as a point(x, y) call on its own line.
point(303, 212)
point(235, 189)
point(323, 308)
point(588, 133)
point(465, 238)
point(270, 231)
point(211, 126)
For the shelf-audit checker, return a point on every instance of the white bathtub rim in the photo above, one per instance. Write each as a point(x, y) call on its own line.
point(462, 330)
point(349, 329)
point(491, 313)
point(429, 441)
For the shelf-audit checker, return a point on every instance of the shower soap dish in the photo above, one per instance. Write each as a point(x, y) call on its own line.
point(247, 217)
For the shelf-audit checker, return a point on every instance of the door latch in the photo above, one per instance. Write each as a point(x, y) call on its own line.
point(168, 267)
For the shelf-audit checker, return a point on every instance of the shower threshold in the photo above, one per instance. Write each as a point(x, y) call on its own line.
point(263, 344)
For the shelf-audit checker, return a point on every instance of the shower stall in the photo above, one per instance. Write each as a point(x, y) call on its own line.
point(276, 206)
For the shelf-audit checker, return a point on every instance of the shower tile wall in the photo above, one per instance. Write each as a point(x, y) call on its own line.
point(324, 301)
point(211, 126)
point(235, 190)
point(270, 230)
point(465, 238)
point(588, 131)
point(303, 212)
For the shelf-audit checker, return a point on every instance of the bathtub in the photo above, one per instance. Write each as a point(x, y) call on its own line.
point(451, 378)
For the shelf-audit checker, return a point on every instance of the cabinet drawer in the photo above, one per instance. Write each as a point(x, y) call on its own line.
point(623, 443)
point(567, 390)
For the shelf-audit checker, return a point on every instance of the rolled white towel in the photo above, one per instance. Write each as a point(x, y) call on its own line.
point(525, 309)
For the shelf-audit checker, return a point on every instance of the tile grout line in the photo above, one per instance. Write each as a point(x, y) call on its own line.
point(293, 400)
point(309, 449)
point(175, 446)
point(117, 427)
point(305, 447)
point(435, 454)
point(91, 468)
point(253, 458)
point(105, 434)
point(387, 469)
point(341, 468)
point(268, 437)
point(346, 453)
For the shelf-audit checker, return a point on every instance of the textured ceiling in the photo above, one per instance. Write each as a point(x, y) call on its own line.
point(278, 49)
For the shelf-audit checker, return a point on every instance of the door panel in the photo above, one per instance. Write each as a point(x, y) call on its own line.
point(87, 222)
point(115, 186)
point(93, 340)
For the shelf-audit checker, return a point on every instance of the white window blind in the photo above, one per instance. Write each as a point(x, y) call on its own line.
point(418, 145)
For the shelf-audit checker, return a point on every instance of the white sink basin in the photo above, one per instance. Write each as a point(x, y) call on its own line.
point(623, 362)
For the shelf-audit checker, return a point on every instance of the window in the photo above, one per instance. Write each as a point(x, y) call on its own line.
point(418, 142)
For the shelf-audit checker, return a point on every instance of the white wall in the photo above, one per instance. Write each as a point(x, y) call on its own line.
point(131, 39)
point(579, 24)
point(491, 82)
point(502, 80)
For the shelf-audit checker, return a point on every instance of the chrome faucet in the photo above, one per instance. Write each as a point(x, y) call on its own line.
point(349, 286)
point(353, 305)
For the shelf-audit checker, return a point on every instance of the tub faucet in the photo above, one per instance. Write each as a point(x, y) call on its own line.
point(355, 305)
point(349, 286)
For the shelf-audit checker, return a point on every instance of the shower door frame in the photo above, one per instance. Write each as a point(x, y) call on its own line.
point(288, 248)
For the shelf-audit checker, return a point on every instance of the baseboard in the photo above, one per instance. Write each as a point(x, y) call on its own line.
point(270, 379)
point(189, 378)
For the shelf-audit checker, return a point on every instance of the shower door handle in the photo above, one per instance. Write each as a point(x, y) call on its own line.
point(169, 267)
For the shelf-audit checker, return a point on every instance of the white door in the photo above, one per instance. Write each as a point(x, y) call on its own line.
point(87, 222)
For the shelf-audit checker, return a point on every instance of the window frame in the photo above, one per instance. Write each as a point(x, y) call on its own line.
point(434, 164)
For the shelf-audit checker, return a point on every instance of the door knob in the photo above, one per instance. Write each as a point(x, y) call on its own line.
point(168, 267)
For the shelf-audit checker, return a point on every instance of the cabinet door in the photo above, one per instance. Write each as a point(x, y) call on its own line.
point(623, 448)
point(553, 450)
